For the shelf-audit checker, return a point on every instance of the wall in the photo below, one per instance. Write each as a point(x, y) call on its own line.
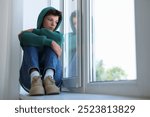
point(10, 26)
point(30, 12)
point(4, 43)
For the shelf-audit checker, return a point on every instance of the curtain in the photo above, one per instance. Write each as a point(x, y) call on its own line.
point(10, 26)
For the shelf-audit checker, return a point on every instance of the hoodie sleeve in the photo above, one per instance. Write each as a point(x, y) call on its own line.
point(31, 39)
point(53, 36)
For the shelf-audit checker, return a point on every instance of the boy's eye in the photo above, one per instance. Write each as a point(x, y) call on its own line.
point(49, 19)
point(52, 20)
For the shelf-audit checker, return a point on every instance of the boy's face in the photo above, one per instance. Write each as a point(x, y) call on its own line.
point(50, 22)
point(75, 22)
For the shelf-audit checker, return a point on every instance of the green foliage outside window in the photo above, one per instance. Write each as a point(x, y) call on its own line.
point(110, 74)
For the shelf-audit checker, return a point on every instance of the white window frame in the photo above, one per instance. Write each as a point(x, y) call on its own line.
point(139, 87)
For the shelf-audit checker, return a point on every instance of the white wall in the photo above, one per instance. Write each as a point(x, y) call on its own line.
point(31, 10)
point(4, 43)
point(10, 26)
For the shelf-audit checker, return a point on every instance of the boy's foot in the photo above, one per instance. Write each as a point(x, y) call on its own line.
point(50, 87)
point(36, 87)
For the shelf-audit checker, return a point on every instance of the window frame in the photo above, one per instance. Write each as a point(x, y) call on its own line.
point(73, 83)
point(139, 87)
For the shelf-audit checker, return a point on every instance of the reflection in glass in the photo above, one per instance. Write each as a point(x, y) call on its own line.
point(70, 44)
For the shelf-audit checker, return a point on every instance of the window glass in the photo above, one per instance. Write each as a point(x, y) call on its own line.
point(70, 61)
point(113, 39)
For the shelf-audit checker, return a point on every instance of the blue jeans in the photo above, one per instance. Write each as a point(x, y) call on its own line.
point(73, 65)
point(41, 59)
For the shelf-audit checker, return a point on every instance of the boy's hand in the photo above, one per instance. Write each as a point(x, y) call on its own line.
point(56, 48)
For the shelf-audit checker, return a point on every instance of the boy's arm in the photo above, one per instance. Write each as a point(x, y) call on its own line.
point(54, 36)
point(27, 38)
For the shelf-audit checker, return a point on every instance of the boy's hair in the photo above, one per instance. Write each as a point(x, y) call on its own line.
point(55, 13)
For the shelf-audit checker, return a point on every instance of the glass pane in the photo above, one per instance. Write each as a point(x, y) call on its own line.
point(113, 40)
point(70, 62)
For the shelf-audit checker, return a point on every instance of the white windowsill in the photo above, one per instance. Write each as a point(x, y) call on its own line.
point(76, 96)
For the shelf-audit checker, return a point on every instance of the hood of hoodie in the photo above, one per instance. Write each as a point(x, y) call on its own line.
point(41, 17)
point(73, 14)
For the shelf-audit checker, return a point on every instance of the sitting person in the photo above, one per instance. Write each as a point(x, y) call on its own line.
point(41, 70)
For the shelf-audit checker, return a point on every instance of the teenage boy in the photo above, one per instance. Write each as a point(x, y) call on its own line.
point(41, 70)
